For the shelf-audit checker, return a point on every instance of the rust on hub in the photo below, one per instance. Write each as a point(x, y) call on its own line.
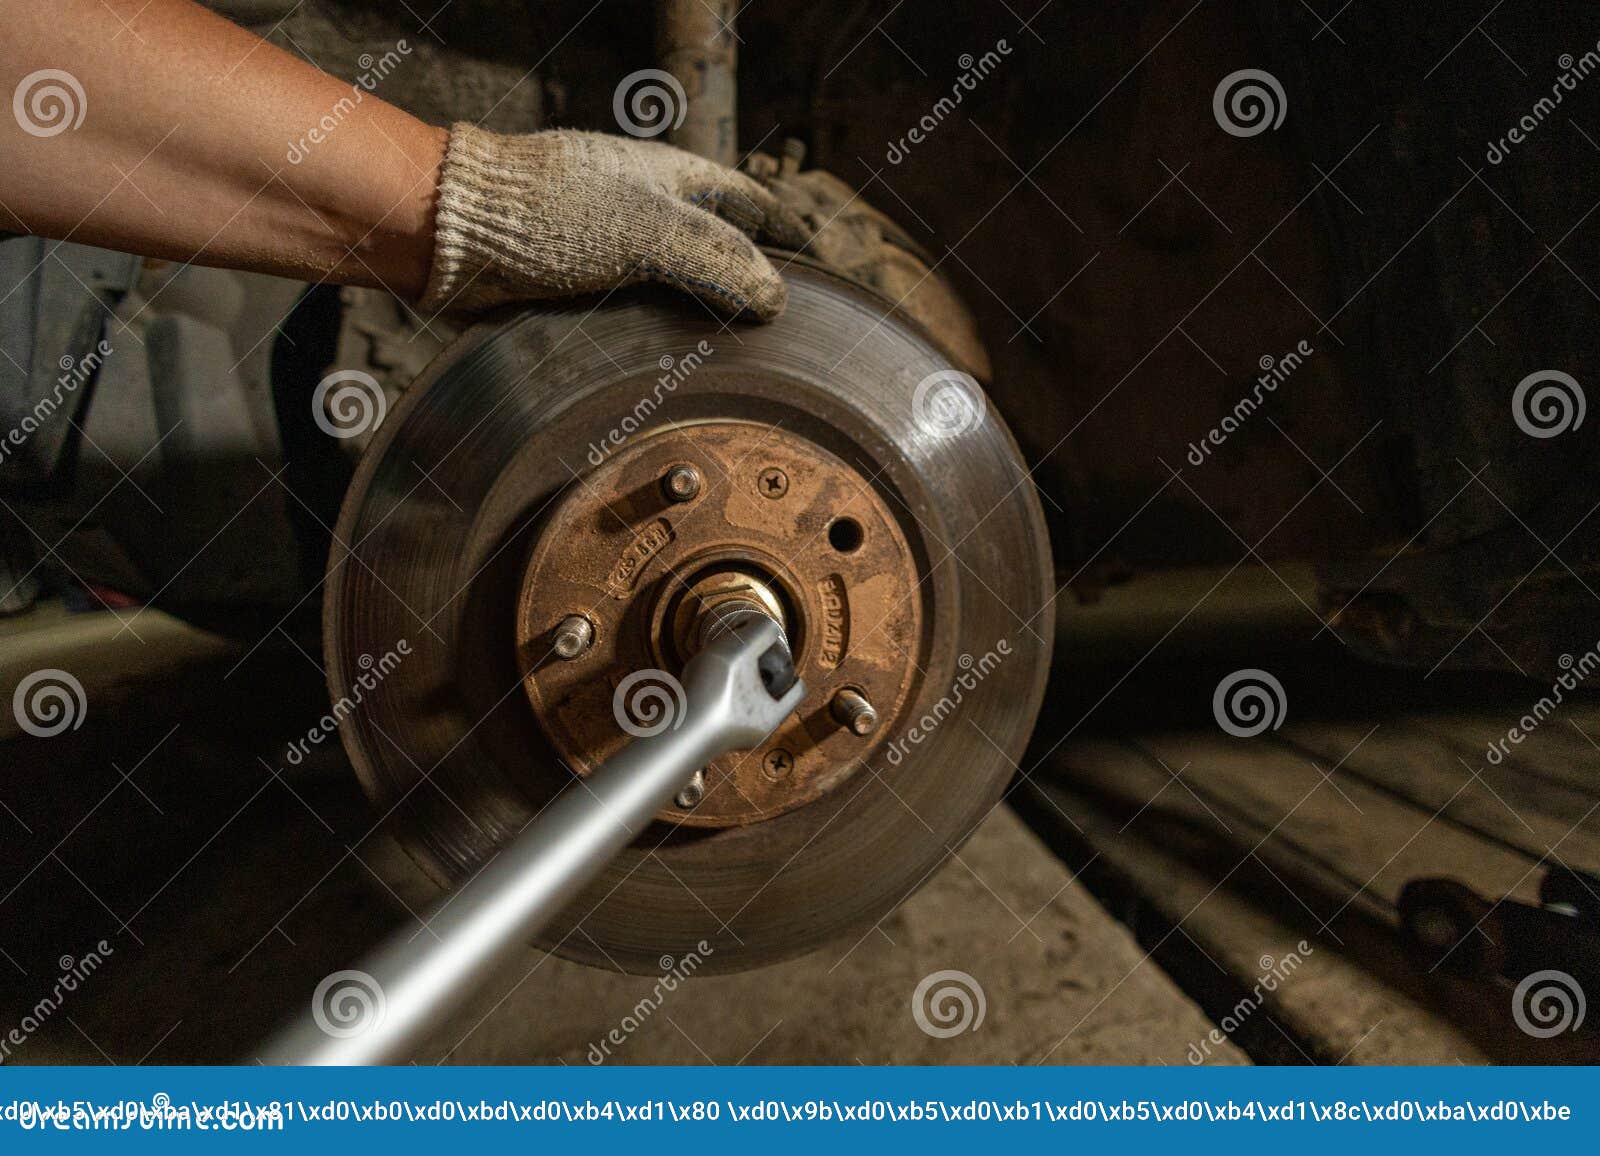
point(648, 572)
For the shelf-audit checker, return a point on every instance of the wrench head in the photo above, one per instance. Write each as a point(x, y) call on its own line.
point(742, 685)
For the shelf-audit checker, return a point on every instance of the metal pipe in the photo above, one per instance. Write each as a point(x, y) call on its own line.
point(696, 43)
point(733, 695)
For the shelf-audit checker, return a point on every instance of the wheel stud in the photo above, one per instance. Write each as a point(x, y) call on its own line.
point(852, 710)
point(693, 791)
point(572, 637)
point(682, 483)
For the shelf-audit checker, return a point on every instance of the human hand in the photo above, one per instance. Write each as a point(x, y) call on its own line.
point(557, 213)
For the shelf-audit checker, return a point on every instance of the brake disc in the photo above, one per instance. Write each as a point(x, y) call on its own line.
point(623, 468)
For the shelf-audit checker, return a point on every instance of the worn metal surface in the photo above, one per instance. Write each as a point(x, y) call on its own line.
point(642, 569)
point(447, 742)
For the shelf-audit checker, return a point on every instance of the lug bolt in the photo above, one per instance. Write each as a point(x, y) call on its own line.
point(682, 483)
point(573, 636)
point(777, 763)
point(852, 710)
point(694, 790)
point(773, 483)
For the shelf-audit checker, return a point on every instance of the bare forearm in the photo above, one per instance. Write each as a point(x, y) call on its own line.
point(184, 149)
point(188, 138)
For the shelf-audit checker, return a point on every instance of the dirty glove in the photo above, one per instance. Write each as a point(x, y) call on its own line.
point(557, 213)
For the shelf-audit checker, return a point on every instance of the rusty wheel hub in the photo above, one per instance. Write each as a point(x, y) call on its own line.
point(779, 526)
point(795, 470)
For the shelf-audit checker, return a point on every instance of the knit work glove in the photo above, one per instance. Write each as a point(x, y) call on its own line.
point(558, 213)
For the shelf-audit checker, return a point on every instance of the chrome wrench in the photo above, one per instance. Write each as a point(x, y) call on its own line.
point(736, 692)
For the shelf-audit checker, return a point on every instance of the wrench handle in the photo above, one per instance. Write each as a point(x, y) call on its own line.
point(420, 978)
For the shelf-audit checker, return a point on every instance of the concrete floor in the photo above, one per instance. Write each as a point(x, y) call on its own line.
point(228, 885)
